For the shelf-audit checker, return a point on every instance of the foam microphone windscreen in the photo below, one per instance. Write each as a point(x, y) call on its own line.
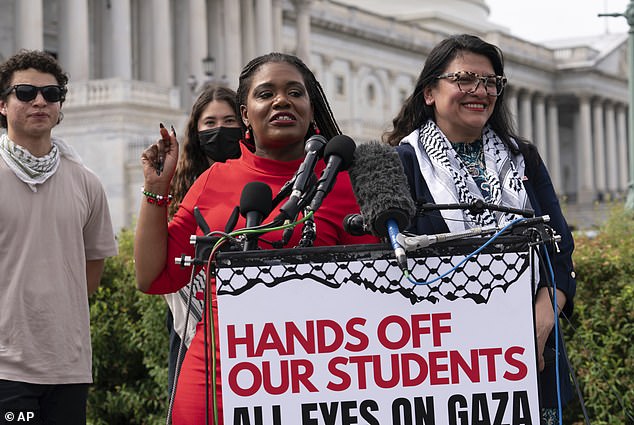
point(381, 188)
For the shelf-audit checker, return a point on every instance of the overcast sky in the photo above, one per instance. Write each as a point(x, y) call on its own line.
point(539, 20)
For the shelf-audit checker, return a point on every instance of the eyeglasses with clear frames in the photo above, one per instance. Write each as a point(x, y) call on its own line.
point(468, 82)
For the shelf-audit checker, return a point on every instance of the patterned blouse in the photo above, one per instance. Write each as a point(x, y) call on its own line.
point(472, 156)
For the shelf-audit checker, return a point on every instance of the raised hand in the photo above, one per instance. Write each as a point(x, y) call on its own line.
point(159, 160)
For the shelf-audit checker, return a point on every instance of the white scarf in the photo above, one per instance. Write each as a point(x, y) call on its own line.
point(31, 169)
point(450, 182)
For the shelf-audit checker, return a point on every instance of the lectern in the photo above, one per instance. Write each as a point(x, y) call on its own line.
point(338, 335)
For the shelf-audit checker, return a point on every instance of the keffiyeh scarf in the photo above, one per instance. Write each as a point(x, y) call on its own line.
point(451, 183)
point(31, 169)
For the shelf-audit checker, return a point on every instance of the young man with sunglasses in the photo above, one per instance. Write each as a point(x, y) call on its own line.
point(55, 233)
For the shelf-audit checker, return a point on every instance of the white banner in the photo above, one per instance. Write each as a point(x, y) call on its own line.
point(311, 353)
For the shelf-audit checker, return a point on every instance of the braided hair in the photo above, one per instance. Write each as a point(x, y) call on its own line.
point(323, 115)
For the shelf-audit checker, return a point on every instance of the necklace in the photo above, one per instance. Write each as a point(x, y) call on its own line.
point(472, 156)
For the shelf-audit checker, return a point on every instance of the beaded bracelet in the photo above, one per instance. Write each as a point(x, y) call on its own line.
point(159, 200)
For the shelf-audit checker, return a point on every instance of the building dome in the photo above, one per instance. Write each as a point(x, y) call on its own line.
point(448, 16)
point(404, 10)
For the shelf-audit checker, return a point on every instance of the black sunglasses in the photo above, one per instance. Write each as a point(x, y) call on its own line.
point(28, 92)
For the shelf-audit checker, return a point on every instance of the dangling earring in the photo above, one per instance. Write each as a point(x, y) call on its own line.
point(315, 128)
point(247, 134)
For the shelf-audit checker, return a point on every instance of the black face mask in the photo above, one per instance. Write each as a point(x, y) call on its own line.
point(221, 143)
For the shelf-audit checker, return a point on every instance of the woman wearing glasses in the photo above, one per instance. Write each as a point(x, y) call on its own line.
point(456, 142)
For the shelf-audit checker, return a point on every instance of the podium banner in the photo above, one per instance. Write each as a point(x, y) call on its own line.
point(338, 336)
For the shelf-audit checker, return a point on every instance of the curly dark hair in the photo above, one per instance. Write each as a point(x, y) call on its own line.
point(193, 160)
point(415, 112)
point(323, 115)
point(26, 59)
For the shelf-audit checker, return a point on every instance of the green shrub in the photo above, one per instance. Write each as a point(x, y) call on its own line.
point(130, 346)
point(600, 342)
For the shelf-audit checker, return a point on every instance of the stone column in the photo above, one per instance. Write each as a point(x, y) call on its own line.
point(264, 26)
point(585, 163)
point(249, 32)
point(621, 141)
point(74, 39)
point(303, 29)
point(121, 39)
point(526, 116)
point(610, 148)
point(326, 79)
point(163, 57)
point(29, 25)
point(554, 165)
point(540, 128)
point(511, 101)
point(278, 22)
point(355, 127)
point(232, 39)
point(198, 48)
point(598, 146)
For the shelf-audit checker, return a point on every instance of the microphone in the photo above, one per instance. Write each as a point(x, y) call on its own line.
point(314, 149)
point(255, 206)
point(382, 192)
point(412, 243)
point(338, 154)
point(354, 224)
point(200, 220)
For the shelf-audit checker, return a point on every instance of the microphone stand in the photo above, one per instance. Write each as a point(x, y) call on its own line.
point(535, 227)
point(476, 207)
point(308, 225)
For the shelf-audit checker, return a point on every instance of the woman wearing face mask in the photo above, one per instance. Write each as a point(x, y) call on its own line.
point(281, 105)
point(213, 134)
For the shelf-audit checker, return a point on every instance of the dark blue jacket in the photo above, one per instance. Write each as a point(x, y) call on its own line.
point(543, 201)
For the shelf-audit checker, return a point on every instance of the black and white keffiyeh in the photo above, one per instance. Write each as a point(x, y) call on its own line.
point(31, 169)
point(184, 302)
point(451, 183)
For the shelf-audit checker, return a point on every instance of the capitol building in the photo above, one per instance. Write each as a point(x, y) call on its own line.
point(136, 63)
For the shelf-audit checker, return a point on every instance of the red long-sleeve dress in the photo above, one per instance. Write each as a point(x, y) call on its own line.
point(216, 193)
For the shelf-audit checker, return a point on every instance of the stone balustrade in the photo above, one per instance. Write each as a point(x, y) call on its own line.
point(117, 91)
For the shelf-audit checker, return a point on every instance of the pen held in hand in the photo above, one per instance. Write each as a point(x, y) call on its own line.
point(161, 160)
point(159, 166)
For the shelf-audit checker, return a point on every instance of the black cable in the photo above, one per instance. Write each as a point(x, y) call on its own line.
point(309, 233)
point(573, 375)
point(205, 344)
point(615, 392)
point(170, 406)
point(549, 284)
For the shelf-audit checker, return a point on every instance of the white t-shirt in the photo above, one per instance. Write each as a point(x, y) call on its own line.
point(45, 239)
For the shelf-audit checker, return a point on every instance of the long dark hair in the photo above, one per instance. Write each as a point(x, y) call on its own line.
point(415, 112)
point(193, 160)
point(323, 115)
